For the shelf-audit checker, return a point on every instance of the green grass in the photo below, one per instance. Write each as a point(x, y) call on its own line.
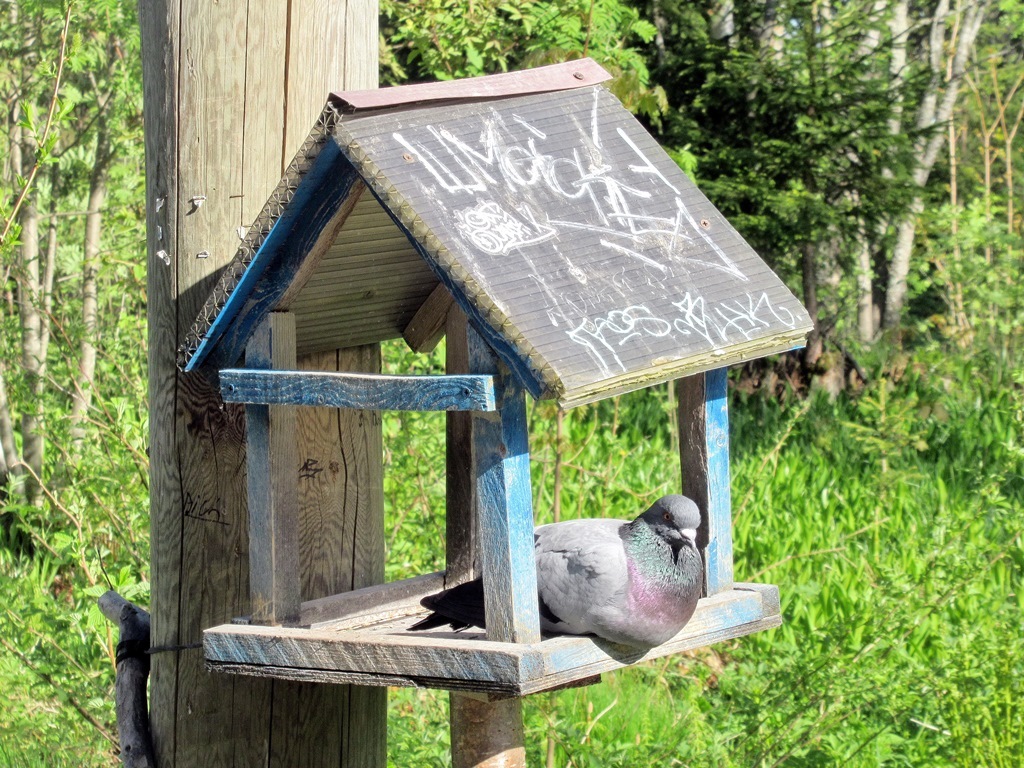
point(891, 520)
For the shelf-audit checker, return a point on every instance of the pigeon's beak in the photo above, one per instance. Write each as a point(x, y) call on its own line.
point(690, 534)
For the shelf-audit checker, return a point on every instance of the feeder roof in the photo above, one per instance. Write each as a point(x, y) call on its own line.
point(579, 249)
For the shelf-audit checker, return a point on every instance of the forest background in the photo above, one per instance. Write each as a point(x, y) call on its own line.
point(868, 149)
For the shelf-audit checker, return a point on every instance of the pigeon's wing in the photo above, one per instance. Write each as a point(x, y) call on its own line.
point(461, 606)
point(582, 575)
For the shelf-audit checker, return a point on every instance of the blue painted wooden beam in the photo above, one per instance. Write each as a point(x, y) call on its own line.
point(504, 498)
point(365, 391)
point(704, 456)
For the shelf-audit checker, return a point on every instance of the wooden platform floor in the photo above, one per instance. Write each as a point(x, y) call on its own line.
point(362, 637)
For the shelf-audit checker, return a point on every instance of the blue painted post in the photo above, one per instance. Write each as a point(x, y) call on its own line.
point(704, 458)
point(501, 466)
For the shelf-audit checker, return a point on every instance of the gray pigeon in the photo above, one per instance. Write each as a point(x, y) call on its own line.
point(635, 582)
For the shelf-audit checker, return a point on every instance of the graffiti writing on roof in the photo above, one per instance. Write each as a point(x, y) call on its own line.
point(511, 156)
point(718, 323)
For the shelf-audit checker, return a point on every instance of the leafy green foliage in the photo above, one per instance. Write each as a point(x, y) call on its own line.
point(446, 39)
point(891, 521)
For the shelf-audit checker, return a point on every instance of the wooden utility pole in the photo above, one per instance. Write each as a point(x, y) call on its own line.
point(231, 90)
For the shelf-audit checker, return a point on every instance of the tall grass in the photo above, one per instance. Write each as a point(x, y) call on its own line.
point(891, 519)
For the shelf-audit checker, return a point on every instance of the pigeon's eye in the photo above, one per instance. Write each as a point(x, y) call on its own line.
point(667, 517)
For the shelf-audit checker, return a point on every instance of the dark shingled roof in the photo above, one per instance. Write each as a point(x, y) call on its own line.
point(590, 262)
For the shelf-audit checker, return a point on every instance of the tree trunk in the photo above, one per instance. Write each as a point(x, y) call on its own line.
point(867, 326)
point(810, 280)
point(33, 357)
point(81, 398)
point(7, 445)
point(935, 109)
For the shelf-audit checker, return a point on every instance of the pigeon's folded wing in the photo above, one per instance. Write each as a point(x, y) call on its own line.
point(582, 574)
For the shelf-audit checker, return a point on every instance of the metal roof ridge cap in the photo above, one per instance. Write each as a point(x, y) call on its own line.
point(553, 77)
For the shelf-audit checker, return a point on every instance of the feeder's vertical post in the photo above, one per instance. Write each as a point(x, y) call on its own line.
point(490, 734)
point(230, 90)
point(461, 535)
point(704, 457)
point(501, 466)
point(272, 484)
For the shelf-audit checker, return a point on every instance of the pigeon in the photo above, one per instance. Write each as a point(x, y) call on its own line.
point(635, 583)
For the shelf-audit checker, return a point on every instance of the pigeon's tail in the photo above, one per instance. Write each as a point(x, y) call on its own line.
point(459, 607)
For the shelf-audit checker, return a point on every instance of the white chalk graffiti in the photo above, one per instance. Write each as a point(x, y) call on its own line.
point(512, 156)
point(605, 335)
point(718, 324)
point(740, 316)
point(496, 231)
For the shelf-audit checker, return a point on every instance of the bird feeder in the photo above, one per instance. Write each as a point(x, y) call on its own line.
point(534, 221)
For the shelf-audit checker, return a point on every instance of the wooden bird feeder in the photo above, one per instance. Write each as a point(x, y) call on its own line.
point(531, 218)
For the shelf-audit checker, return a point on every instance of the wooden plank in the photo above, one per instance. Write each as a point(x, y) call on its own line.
point(501, 466)
point(364, 391)
point(400, 597)
point(272, 486)
point(554, 77)
point(461, 660)
point(462, 538)
point(427, 327)
point(703, 414)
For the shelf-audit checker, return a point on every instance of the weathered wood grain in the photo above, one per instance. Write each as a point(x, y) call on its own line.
point(703, 414)
point(501, 466)
point(360, 391)
point(487, 734)
point(462, 550)
point(341, 511)
point(588, 277)
point(286, 258)
point(159, 30)
point(427, 327)
point(402, 598)
point(214, 104)
point(213, 726)
point(272, 485)
point(462, 660)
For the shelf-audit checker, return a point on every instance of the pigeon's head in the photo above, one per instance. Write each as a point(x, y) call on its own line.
point(675, 519)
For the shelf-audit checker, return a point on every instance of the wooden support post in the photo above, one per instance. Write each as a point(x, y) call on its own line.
point(272, 484)
point(501, 466)
point(489, 496)
point(704, 456)
point(231, 90)
point(461, 538)
point(487, 734)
